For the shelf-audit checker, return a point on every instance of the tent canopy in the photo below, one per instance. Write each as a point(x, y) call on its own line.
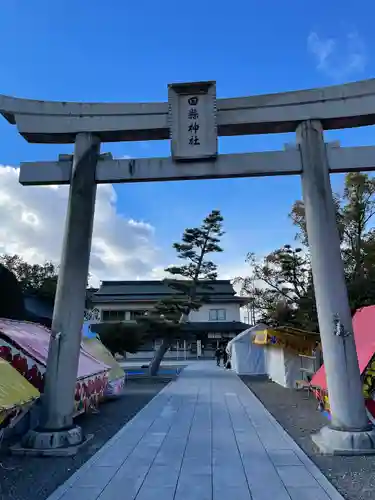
point(294, 339)
point(261, 350)
point(34, 339)
point(246, 357)
point(15, 390)
point(364, 337)
point(243, 337)
point(96, 349)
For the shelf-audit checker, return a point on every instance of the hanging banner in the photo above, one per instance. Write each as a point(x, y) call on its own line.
point(287, 338)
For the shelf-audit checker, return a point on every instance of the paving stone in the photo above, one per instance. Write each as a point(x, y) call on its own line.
point(284, 457)
point(171, 453)
point(191, 469)
point(228, 476)
point(76, 493)
point(235, 493)
point(161, 476)
point(163, 493)
point(197, 488)
point(270, 492)
point(296, 476)
point(96, 477)
point(308, 494)
point(205, 437)
point(114, 456)
point(125, 485)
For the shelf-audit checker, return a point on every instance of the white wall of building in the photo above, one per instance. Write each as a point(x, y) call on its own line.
point(204, 314)
point(232, 313)
point(123, 307)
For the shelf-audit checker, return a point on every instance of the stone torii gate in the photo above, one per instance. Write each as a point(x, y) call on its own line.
point(193, 119)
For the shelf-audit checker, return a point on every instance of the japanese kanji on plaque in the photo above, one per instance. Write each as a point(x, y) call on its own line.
point(192, 120)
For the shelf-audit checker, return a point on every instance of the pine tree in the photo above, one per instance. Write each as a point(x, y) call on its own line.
point(167, 318)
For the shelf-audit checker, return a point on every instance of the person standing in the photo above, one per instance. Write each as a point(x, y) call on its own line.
point(218, 356)
point(225, 355)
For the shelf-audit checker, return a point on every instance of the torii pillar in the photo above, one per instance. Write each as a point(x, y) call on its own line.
point(57, 434)
point(349, 432)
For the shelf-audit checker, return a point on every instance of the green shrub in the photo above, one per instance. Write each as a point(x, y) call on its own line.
point(120, 338)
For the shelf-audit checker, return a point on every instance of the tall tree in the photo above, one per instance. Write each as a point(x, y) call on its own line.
point(168, 316)
point(297, 214)
point(278, 285)
point(11, 303)
point(33, 278)
point(355, 209)
point(285, 292)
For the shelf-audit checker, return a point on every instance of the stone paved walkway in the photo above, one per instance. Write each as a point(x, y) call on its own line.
point(204, 437)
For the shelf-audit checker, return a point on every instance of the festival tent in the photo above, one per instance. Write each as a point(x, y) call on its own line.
point(246, 357)
point(94, 347)
point(282, 347)
point(17, 395)
point(364, 337)
point(25, 346)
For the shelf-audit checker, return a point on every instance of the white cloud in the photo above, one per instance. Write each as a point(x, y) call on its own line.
point(338, 59)
point(32, 225)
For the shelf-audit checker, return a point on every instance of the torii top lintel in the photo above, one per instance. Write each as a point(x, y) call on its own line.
point(339, 106)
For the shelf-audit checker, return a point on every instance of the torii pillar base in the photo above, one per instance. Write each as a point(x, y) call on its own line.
point(45, 443)
point(332, 441)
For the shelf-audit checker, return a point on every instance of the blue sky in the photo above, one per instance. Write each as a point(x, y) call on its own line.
point(129, 51)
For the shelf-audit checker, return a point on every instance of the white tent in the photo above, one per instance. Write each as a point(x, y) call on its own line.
point(281, 365)
point(248, 358)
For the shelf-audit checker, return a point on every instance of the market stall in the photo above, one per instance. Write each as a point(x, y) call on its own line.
point(92, 345)
point(17, 396)
point(283, 346)
point(364, 337)
point(246, 357)
point(25, 346)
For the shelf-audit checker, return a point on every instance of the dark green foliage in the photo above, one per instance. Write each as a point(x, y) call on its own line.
point(278, 286)
point(11, 303)
point(40, 280)
point(281, 286)
point(120, 338)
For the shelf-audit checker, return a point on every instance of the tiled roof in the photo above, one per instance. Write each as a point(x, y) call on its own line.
point(146, 291)
point(150, 288)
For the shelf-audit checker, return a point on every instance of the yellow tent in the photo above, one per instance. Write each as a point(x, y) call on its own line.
point(116, 375)
point(283, 347)
point(299, 341)
point(16, 393)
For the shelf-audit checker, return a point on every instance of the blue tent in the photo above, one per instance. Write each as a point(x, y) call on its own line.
point(86, 331)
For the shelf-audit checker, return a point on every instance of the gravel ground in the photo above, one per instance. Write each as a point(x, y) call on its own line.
point(44, 475)
point(354, 477)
